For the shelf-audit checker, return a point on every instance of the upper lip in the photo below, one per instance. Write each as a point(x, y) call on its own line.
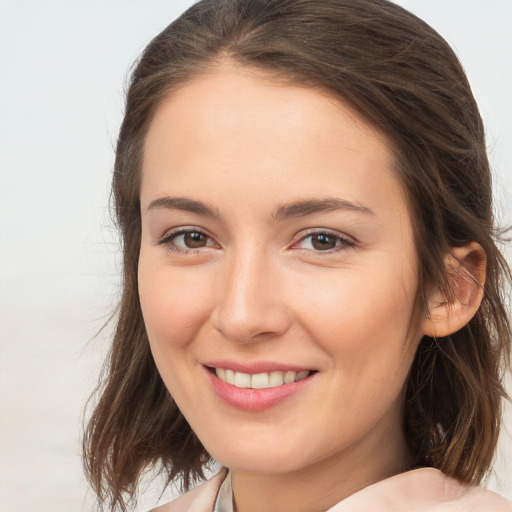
point(254, 367)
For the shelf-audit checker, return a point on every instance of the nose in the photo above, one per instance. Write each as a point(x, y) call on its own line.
point(250, 303)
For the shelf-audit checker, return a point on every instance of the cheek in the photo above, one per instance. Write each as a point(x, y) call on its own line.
point(173, 309)
point(362, 321)
point(360, 302)
point(174, 304)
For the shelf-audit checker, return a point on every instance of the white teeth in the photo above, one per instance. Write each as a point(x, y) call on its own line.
point(301, 375)
point(242, 380)
point(259, 380)
point(230, 377)
point(289, 377)
point(276, 379)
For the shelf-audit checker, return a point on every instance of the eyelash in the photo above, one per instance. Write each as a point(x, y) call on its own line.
point(168, 240)
point(343, 241)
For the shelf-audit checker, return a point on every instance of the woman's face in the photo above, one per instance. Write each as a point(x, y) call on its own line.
point(277, 273)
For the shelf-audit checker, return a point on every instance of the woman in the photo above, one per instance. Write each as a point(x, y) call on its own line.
point(313, 295)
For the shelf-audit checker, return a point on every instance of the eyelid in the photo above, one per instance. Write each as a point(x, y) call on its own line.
point(169, 235)
point(347, 241)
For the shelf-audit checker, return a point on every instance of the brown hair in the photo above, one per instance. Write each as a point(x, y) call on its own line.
point(399, 74)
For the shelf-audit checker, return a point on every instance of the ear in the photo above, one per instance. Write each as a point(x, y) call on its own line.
point(465, 267)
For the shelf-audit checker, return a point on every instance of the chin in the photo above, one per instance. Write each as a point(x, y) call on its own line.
point(260, 457)
point(258, 463)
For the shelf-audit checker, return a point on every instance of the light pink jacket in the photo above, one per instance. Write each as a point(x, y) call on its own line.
point(420, 490)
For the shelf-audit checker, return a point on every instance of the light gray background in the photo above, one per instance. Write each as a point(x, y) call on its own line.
point(62, 70)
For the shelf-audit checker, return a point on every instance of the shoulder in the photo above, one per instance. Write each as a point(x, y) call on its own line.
point(452, 495)
point(199, 499)
point(472, 499)
point(423, 490)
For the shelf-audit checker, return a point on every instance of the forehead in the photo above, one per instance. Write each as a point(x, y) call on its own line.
point(254, 103)
point(237, 128)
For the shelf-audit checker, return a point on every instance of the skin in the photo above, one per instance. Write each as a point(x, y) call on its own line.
point(256, 288)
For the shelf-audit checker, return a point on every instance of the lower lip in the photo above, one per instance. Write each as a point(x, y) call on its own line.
point(255, 399)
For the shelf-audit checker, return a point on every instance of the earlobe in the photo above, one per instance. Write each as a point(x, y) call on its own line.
point(449, 312)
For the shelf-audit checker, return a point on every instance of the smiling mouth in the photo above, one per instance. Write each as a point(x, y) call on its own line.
point(263, 380)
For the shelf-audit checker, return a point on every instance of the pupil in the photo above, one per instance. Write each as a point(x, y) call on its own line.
point(195, 240)
point(322, 242)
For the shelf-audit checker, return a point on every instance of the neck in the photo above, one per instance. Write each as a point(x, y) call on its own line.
point(320, 486)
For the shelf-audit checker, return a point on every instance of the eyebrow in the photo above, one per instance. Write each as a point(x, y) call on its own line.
point(185, 204)
point(296, 209)
point(311, 206)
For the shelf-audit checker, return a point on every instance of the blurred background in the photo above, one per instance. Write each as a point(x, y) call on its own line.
point(63, 66)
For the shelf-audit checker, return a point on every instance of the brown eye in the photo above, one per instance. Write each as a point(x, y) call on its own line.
point(187, 240)
point(194, 240)
point(323, 241)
